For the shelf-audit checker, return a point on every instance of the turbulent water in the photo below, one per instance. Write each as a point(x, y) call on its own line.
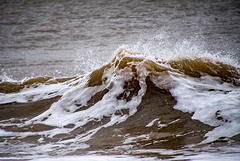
point(119, 80)
point(132, 105)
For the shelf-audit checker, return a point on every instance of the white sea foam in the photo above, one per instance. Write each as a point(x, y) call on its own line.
point(212, 102)
point(152, 122)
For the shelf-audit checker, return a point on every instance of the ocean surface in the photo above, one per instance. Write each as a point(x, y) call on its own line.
point(119, 80)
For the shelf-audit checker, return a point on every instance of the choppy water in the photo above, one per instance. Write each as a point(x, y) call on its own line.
point(62, 37)
point(140, 80)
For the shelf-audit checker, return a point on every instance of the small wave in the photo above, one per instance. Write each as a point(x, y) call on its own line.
point(14, 86)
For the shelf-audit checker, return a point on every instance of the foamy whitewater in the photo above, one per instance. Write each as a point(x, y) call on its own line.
point(83, 108)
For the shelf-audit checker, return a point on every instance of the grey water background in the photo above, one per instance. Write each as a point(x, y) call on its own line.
point(68, 38)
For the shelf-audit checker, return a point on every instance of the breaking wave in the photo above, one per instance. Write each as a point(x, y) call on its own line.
point(132, 102)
